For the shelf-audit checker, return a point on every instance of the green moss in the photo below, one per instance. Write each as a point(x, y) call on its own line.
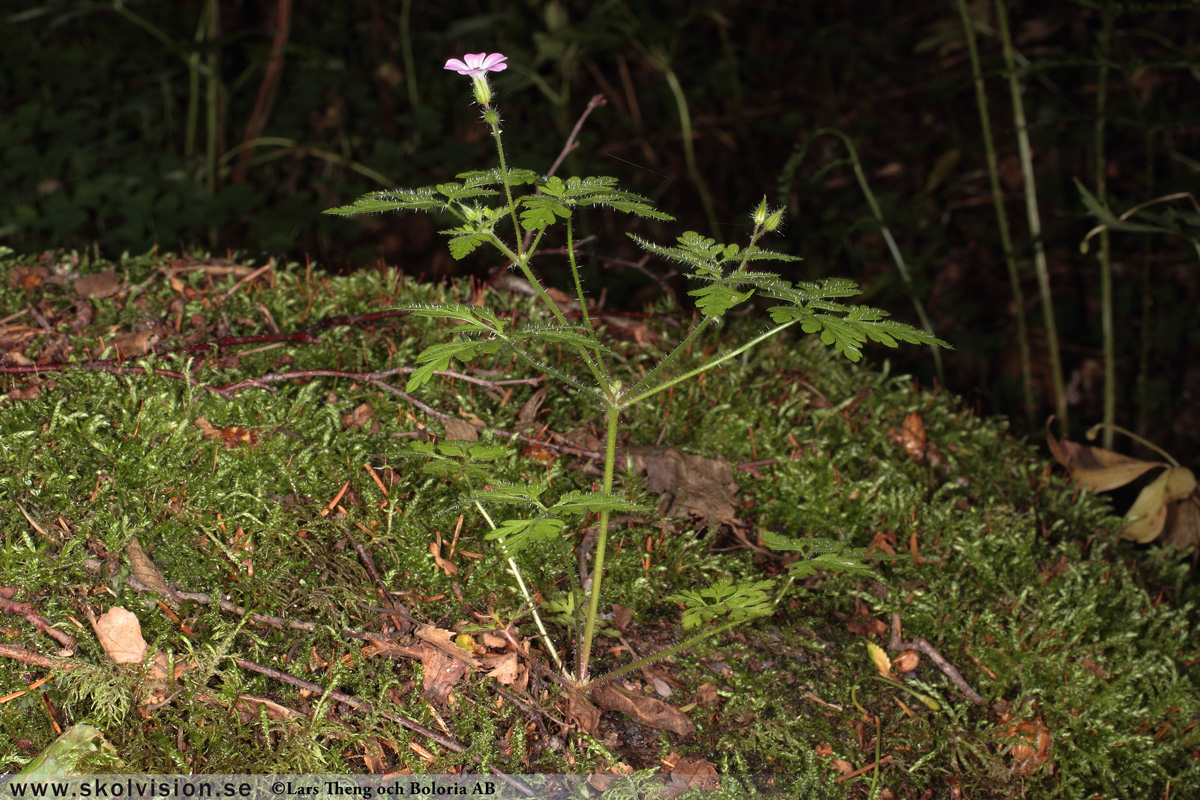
point(1019, 581)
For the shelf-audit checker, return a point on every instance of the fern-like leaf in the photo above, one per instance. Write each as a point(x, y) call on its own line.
point(725, 599)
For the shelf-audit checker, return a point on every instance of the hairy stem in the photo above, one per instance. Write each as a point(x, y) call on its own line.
point(589, 629)
point(628, 401)
point(516, 573)
point(661, 654)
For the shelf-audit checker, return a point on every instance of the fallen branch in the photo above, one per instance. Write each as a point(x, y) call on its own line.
point(38, 621)
point(367, 708)
point(945, 666)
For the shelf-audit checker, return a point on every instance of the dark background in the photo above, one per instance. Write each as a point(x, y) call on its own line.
point(140, 124)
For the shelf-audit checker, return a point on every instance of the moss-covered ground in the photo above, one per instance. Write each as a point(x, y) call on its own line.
point(1084, 649)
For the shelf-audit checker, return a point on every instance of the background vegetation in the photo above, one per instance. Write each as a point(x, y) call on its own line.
point(130, 124)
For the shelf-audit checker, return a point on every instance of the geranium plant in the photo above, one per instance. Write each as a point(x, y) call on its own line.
point(510, 210)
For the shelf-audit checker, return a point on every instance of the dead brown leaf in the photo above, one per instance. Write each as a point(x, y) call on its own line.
point(443, 640)
point(693, 773)
point(870, 626)
point(232, 435)
point(100, 284)
point(648, 711)
point(706, 695)
point(120, 634)
point(689, 483)
point(493, 642)
point(458, 430)
point(581, 712)
point(27, 278)
point(274, 710)
point(581, 438)
point(622, 616)
point(529, 409)
point(1183, 523)
point(147, 573)
point(1167, 508)
point(906, 661)
point(358, 417)
point(1096, 468)
point(442, 673)
point(136, 343)
point(1147, 518)
point(373, 757)
point(1032, 746)
point(911, 436)
point(506, 668)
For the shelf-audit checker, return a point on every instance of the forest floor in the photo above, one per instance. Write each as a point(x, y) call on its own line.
point(225, 451)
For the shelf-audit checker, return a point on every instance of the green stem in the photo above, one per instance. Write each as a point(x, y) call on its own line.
point(1031, 207)
point(193, 111)
point(406, 50)
point(689, 152)
point(512, 208)
point(522, 255)
point(627, 401)
point(521, 262)
point(589, 628)
point(1144, 442)
point(1010, 258)
point(213, 102)
point(680, 348)
point(516, 573)
point(661, 654)
point(583, 310)
point(789, 170)
point(1106, 298)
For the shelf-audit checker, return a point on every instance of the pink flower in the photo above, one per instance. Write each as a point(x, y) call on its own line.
point(477, 64)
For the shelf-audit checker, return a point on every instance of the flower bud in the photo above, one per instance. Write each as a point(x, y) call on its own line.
point(772, 222)
point(760, 213)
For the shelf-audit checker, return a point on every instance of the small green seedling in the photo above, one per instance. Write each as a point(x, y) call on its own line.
point(484, 202)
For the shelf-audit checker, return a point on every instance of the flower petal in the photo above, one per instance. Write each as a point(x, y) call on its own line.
point(495, 63)
point(458, 66)
point(475, 60)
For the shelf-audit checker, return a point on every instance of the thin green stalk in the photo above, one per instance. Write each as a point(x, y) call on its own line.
point(406, 52)
point(516, 573)
point(587, 320)
point(213, 103)
point(661, 654)
point(522, 263)
point(1143, 414)
point(698, 329)
point(627, 401)
point(659, 60)
point(1035, 223)
point(1010, 257)
point(1106, 298)
point(295, 148)
point(523, 254)
point(512, 208)
point(861, 176)
point(193, 110)
point(589, 628)
point(1091, 434)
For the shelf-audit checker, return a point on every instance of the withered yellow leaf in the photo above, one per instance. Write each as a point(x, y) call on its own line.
point(1094, 467)
point(1148, 516)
